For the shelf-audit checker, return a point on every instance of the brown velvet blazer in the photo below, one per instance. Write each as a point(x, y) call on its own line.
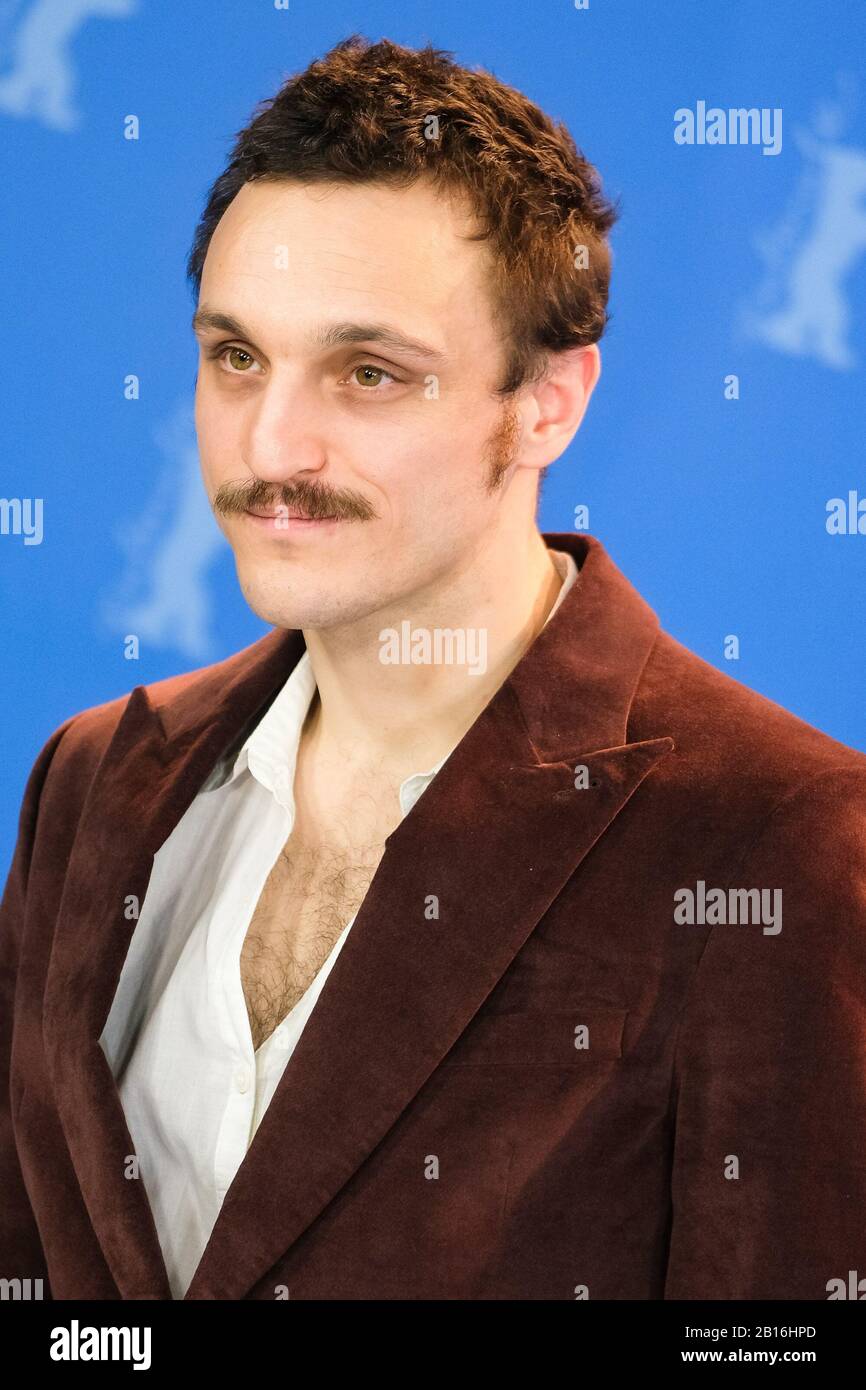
point(437, 1133)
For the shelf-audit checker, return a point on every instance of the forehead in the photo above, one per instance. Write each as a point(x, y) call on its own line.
point(293, 254)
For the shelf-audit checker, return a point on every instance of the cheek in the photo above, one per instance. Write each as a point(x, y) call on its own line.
point(208, 464)
point(218, 438)
point(432, 462)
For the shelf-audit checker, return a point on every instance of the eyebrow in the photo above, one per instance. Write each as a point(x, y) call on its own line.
point(334, 335)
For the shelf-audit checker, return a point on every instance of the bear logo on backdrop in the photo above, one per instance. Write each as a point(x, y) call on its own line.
point(816, 247)
point(42, 81)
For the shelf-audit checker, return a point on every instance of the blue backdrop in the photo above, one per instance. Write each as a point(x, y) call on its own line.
point(730, 412)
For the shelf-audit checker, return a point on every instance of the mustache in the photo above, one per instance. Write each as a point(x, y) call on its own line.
point(312, 500)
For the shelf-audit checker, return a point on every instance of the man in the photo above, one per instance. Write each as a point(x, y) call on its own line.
point(466, 936)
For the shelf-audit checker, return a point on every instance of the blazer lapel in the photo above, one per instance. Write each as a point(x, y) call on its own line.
point(145, 781)
point(495, 837)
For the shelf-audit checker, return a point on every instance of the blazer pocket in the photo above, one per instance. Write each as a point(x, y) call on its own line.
point(573, 1038)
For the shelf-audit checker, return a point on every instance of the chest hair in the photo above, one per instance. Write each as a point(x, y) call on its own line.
point(312, 891)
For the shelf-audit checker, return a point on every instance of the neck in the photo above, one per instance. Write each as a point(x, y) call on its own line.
point(402, 718)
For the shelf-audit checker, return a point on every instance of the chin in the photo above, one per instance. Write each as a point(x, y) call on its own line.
point(286, 607)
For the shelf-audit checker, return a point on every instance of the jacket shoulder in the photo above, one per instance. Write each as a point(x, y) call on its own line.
point(732, 732)
point(78, 745)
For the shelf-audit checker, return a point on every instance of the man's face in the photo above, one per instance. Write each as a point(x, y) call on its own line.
point(307, 408)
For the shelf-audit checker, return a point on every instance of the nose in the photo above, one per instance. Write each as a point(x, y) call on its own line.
point(286, 433)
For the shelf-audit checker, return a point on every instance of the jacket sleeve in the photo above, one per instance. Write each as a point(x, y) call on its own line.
point(21, 1255)
point(769, 1148)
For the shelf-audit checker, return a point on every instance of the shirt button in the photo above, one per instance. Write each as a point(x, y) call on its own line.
point(242, 1080)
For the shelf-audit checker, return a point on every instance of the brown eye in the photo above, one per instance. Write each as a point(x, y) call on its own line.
point(368, 375)
point(234, 352)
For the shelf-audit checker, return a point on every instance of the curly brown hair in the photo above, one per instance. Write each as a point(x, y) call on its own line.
point(379, 111)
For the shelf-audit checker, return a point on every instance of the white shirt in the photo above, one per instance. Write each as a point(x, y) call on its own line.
point(177, 1037)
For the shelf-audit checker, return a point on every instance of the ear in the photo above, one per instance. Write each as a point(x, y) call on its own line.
point(553, 408)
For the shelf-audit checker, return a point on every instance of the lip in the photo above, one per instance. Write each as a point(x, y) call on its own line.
point(290, 525)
